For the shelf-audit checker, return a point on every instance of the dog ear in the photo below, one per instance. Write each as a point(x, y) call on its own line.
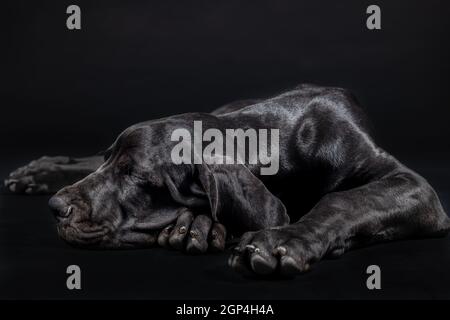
point(239, 199)
point(188, 194)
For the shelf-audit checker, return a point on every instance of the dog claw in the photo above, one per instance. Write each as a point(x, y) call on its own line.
point(281, 251)
point(163, 237)
point(167, 230)
point(251, 248)
point(193, 234)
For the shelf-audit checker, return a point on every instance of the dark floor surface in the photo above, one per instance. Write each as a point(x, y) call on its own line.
point(33, 263)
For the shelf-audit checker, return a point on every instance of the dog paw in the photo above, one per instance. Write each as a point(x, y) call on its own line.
point(275, 251)
point(193, 234)
point(44, 175)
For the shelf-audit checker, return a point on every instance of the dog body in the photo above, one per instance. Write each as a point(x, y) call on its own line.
point(335, 188)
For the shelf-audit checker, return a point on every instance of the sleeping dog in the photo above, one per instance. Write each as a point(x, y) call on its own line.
point(334, 190)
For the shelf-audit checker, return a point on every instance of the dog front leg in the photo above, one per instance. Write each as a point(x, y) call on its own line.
point(397, 206)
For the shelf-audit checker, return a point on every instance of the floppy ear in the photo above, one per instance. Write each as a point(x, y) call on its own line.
point(239, 200)
point(188, 194)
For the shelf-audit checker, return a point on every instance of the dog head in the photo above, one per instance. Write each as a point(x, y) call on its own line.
point(138, 191)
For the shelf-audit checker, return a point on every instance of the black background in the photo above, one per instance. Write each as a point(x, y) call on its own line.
point(72, 92)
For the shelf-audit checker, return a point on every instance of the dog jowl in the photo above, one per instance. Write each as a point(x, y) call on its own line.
point(329, 188)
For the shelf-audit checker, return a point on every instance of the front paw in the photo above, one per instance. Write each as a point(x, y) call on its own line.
point(278, 250)
point(193, 234)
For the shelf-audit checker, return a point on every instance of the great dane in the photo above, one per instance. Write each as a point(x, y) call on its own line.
point(335, 188)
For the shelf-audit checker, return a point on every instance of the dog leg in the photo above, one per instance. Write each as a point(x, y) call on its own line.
point(399, 205)
point(49, 174)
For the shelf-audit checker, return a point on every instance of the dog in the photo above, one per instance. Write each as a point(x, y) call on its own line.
point(335, 188)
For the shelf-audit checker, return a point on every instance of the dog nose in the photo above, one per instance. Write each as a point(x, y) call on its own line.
point(60, 207)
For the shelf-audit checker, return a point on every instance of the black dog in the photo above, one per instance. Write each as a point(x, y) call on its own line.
point(334, 183)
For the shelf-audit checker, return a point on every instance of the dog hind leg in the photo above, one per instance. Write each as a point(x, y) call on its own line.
point(47, 175)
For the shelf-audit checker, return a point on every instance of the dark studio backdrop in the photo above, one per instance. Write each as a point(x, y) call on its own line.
point(72, 92)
